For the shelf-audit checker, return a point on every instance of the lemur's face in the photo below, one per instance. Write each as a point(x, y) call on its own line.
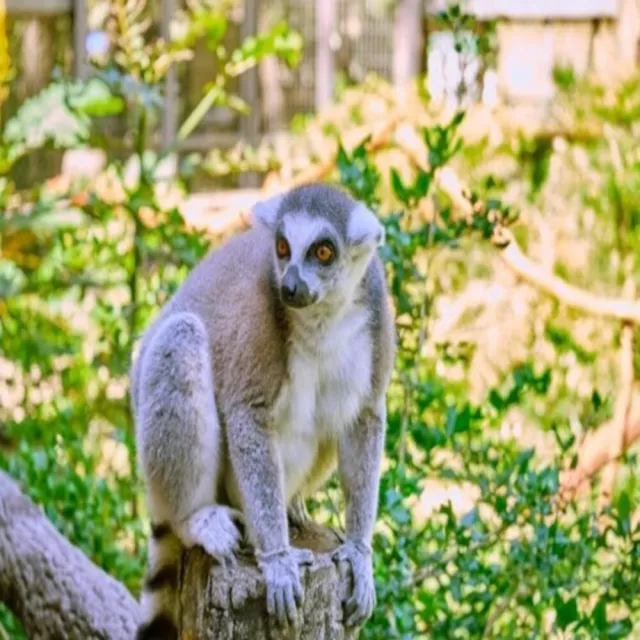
point(322, 243)
point(310, 259)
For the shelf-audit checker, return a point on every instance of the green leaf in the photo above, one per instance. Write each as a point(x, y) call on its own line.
point(625, 508)
point(619, 628)
point(12, 279)
point(564, 342)
point(95, 100)
point(399, 189)
point(566, 612)
point(60, 116)
point(599, 614)
point(452, 417)
point(457, 119)
point(470, 518)
point(422, 184)
point(596, 400)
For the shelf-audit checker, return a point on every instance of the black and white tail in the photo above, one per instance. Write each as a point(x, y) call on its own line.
point(159, 597)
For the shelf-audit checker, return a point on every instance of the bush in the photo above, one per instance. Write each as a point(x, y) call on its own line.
point(83, 272)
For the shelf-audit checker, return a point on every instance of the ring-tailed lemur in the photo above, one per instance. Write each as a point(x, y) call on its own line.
point(268, 368)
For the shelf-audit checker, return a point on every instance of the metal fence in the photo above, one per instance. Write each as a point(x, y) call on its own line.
point(344, 40)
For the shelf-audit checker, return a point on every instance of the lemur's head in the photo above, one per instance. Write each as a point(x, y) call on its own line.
point(323, 241)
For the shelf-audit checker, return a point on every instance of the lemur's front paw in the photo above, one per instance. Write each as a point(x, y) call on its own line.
point(359, 607)
point(215, 529)
point(282, 577)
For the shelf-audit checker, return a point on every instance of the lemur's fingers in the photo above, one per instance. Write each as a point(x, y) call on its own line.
point(228, 562)
point(284, 589)
point(359, 606)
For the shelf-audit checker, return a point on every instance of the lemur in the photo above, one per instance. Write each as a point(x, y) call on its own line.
point(267, 370)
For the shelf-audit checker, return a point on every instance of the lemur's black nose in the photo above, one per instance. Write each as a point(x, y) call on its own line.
point(289, 291)
point(294, 289)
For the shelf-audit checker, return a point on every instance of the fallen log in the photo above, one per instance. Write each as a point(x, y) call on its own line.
point(50, 585)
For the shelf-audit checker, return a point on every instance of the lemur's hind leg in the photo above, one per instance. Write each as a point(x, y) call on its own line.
point(325, 463)
point(180, 439)
point(297, 513)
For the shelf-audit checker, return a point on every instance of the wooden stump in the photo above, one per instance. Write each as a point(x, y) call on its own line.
point(232, 606)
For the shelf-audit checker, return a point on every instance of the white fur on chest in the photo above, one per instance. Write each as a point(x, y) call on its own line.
point(324, 392)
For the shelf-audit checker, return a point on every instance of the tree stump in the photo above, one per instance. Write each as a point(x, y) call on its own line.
point(215, 605)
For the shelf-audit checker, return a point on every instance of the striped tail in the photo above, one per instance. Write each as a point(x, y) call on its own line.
point(159, 598)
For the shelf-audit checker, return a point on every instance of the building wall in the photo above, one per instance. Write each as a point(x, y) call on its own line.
point(529, 49)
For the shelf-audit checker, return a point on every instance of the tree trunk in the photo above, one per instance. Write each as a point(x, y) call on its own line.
point(225, 607)
point(408, 44)
point(325, 64)
point(59, 594)
point(50, 585)
point(249, 92)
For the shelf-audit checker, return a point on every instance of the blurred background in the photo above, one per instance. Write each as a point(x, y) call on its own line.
point(342, 45)
point(498, 142)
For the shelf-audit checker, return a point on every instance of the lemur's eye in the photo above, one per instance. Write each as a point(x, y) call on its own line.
point(282, 248)
point(324, 253)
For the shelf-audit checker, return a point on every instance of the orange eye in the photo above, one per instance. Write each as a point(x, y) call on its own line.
point(324, 253)
point(282, 248)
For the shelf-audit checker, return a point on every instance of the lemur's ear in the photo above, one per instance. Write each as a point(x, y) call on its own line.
point(265, 212)
point(364, 227)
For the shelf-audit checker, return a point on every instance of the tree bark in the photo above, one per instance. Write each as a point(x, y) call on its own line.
point(325, 64)
point(220, 606)
point(59, 594)
point(50, 585)
point(594, 453)
point(408, 43)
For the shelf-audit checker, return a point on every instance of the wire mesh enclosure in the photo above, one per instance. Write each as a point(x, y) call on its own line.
point(361, 42)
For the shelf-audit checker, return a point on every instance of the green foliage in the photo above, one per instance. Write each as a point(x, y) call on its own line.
point(60, 115)
point(81, 278)
point(534, 155)
point(81, 275)
point(514, 565)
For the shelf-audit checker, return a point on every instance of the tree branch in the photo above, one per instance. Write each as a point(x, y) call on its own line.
point(603, 306)
point(239, 218)
point(622, 407)
point(52, 587)
point(607, 444)
point(595, 451)
point(537, 275)
point(446, 179)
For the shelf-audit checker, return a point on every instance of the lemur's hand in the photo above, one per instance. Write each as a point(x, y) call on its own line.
point(282, 576)
point(359, 607)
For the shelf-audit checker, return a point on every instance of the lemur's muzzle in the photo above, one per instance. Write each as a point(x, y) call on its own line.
point(294, 290)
